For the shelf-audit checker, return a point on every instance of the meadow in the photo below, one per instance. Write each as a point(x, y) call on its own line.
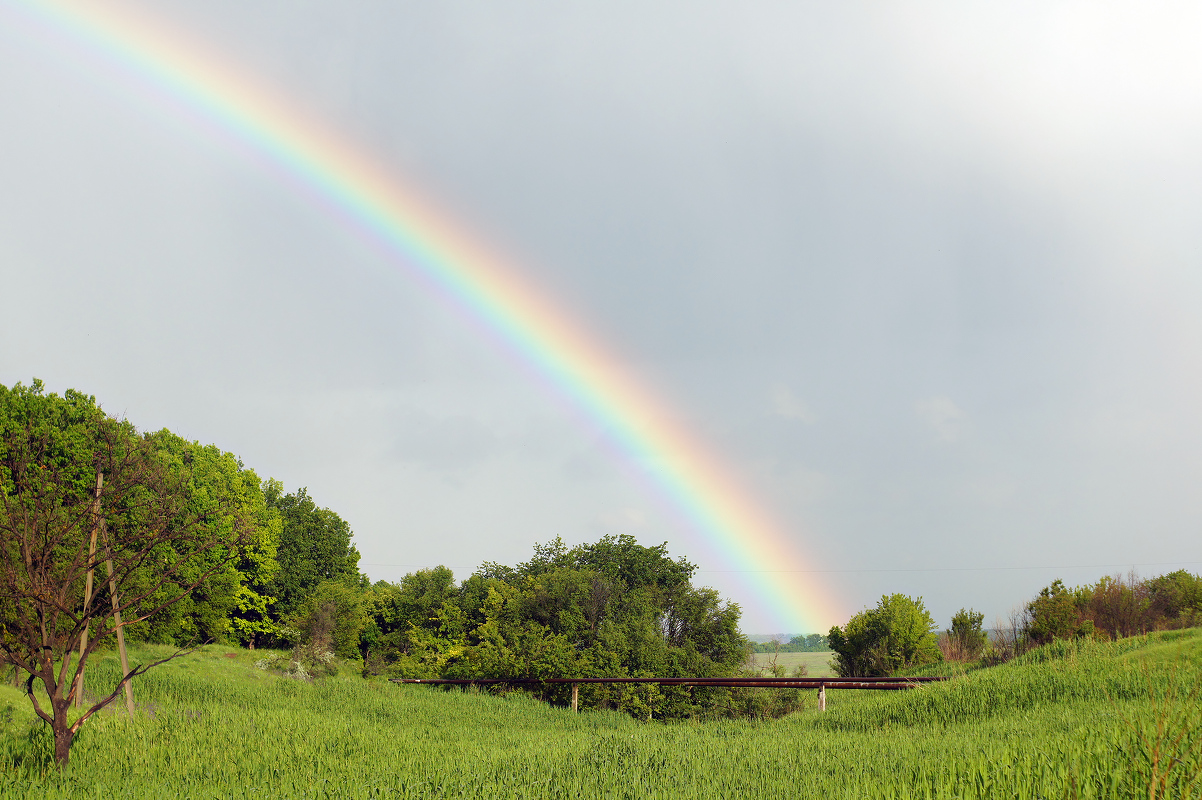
point(1073, 719)
point(817, 665)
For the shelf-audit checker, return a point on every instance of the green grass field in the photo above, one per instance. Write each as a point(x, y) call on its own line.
point(1065, 721)
point(817, 665)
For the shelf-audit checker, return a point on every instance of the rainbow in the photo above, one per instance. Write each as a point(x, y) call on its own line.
point(412, 232)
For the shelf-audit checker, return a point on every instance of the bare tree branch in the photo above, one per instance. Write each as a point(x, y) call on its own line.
point(129, 676)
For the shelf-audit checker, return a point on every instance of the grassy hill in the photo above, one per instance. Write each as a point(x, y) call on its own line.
point(1064, 721)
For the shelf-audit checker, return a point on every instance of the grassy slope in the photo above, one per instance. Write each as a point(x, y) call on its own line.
point(1048, 725)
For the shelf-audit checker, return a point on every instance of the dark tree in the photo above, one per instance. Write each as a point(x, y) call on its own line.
point(97, 534)
point(315, 546)
point(622, 559)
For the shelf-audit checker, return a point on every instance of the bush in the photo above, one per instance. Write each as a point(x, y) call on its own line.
point(1114, 607)
point(965, 641)
point(331, 620)
point(898, 634)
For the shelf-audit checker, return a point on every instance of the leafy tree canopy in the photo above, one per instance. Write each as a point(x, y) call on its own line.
point(967, 634)
point(314, 547)
point(898, 634)
point(233, 600)
point(610, 608)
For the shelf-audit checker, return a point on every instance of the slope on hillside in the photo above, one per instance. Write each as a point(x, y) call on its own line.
point(1066, 720)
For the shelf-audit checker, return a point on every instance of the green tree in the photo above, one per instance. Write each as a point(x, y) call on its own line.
point(1054, 615)
point(898, 634)
point(966, 633)
point(233, 600)
point(1176, 597)
point(622, 560)
point(414, 627)
point(332, 619)
point(83, 497)
point(611, 608)
point(314, 547)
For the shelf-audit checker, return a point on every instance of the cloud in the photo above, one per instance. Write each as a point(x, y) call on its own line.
point(945, 417)
point(786, 406)
point(1125, 427)
point(452, 443)
point(872, 204)
point(625, 520)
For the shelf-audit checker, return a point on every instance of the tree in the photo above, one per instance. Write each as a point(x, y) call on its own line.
point(234, 600)
point(315, 546)
point(332, 619)
point(1176, 597)
point(81, 492)
point(1054, 615)
point(966, 635)
point(623, 560)
point(611, 608)
point(898, 634)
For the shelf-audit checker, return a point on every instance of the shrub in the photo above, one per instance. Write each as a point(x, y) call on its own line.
point(332, 619)
point(965, 641)
point(1052, 615)
point(898, 634)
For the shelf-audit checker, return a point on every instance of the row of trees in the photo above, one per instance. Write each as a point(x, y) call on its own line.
point(613, 608)
point(899, 634)
point(107, 531)
point(268, 550)
point(803, 643)
point(1113, 607)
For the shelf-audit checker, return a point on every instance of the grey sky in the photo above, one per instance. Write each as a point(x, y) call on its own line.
point(926, 276)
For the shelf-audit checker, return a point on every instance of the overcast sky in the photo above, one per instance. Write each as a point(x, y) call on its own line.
point(926, 277)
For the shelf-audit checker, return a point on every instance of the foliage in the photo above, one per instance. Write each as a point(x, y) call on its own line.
point(898, 634)
point(1054, 615)
point(605, 609)
point(314, 547)
point(331, 620)
point(965, 640)
point(1114, 607)
point(80, 491)
point(233, 600)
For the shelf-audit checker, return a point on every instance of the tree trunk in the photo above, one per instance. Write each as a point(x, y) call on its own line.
point(63, 736)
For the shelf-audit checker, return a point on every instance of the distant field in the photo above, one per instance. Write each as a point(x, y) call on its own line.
point(816, 664)
point(1063, 721)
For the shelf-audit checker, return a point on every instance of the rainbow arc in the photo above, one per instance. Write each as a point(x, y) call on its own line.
point(419, 238)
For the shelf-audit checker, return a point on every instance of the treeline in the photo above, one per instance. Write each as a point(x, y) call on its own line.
point(805, 643)
point(281, 572)
point(1112, 607)
point(613, 608)
point(899, 634)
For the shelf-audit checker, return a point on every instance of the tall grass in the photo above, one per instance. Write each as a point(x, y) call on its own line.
point(1063, 721)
